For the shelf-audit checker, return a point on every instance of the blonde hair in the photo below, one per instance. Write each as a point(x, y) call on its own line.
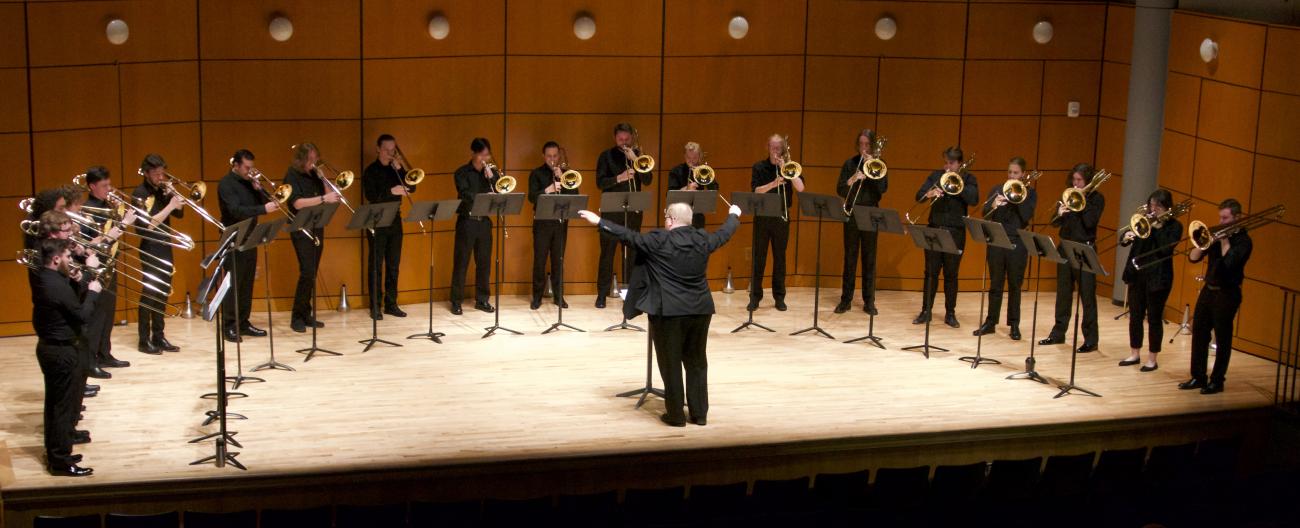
point(692, 146)
point(300, 152)
point(680, 213)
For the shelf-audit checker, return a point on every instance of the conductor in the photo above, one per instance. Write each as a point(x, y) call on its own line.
point(670, 285)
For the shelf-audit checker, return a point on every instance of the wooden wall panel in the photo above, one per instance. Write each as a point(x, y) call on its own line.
point(1257, 320)
point(545, 27)
point(1006, 31)
point(841, 84)
point(1065, 141)
point(1227, 114)
point(1110, 143)
point(1221, 172)
point(1274, 183)
point(924, 29)
point(1241, 48)
point(61, 155)
point(20, 311)
point(1119, 33)
point(1272, 260)
point(731, 84)
point(1002, 88)
point(536, 85)
point(286, 89)
point(239, 29)
point(1114, 90)
point(916, 86)
point(831, 137)
point(1278, 115)
point(995, 139)
point(731, 140)
point(11, 240)
point(13, 36)
point(15, 149)
point(1065, 81)
point(79, 97)
point(1177, 157)
point(160, 92)
point(1182, 102)
point(917, 142)
point(74, 32)
point(399, 28)
point(1281, 55)
point(402, 87)
point(439, 145)
point(700, 28)
point(14, 116)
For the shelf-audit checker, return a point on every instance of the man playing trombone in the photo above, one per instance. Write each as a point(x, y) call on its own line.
point(1217, 304)
point(615, 172)
point(1080, 226)
point(383, 181)
point(1007, 266)
point(99, 328)
point(549, 236)
point(473, 235)
point(766, 177)
point(308, 191)
point(165, 206)
point(680, 178)
point(866, 193)
point(241, 198)
point(946, 211)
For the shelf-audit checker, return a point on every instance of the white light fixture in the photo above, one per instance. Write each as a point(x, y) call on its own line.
point(439, 27)
point(886, 28)
point(738, 27)
point(117, 31)
point(281, 28)
point(584, 27)
point(1043, 32)
point(1209, 50)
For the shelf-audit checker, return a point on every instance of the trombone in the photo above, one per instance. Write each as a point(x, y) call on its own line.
point(342, 180)
point(1143, 222)
point(1076, 199)
point(1016, 191)
point(1203, 236)
point(161, 233)
point(279, 194)
point(108, 253)
point(637, 162)
point(194, 192)
point(412, 178)
point(789, 170)
point(951, 183)
point(502, 183)
point(874, 168)
point(31, 259)
point(703, 175)
point(569, 179)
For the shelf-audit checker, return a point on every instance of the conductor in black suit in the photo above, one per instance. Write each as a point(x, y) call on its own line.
point(670, 285)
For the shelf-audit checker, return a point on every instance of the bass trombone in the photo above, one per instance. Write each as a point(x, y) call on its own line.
point(1075, 199)
point(873, 168)
point(952, 183)
point(1203, 236)
point(789, 170)
point(412, 178)
point(703, 175)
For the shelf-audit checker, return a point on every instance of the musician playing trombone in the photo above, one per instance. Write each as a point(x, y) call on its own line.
point(99, 328)
point(946, 211)
point(1217, 304)
point(309, 190)
point(858, 243)
point(241, 197)
point(615, 173)
point(1080, 226)
point(549, 236)
point(679, 178)
point(473, 234)
point(165, 206)
point(1007, 266)
point(766, 177)
point(382, 181)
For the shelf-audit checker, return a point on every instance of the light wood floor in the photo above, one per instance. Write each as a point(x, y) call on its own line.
point(517, 397)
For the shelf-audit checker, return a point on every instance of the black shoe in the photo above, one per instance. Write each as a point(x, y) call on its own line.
point(922, 318)
point(752, 306)
point(231, 335)
point(600, 302)
point(1015, 333)
point(314, 323)
point(376, 315)
point(1212, 387)
point(75, 458)
point(70, 470)
point(163, 344)
point(1051, 341)
point(90, 393)
point(484, 307)
point(81, 439)
point(1087, 348)
point(99, 373)
point(951, 320)
point(665, 419)
point(89, 388)
point(563, 304)
point(298, 326)
point(984, 329)
point(395, 311)
point(535, 304)
point(1194, 383)
point(1129, 362)
point(697, 420)
point(252, 331)
point(148, 348)
point(113, 362)
point(780, 305)
point(455, 309)
point(1151, 368)
point(842, 307)
point(870, 308)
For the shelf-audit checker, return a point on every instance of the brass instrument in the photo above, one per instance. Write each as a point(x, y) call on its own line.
point(874, 168)
point(1016, 191)
point(952, 183)
point(703, 175)
point(789, 170)
point(501, 183)
point(340, 182)
point(109, 252)
point(637, 162)
point(159, 232)
point(193, 192)
point(168, 236)
point(569, 179)
point(412, 178)
point(31, 258)
point(279, 194)
point(1076, 199)
point(1203, 236)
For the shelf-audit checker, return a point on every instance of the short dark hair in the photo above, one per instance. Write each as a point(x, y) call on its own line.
point(953, 154)
point(550, 144)
point(45, 200)
point(151, 162)
point(52, 247)
point(240, 156)
point(1082, 168)
point(624, 127)
point(383, 138)
point(1231, 204)
point(479, 144)
point(1019, 161)
point(1162, 197)
point(96, 174)
point(70, 194)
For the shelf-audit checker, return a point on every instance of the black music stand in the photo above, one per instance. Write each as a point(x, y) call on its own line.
point(701, 201)
point(995, 235)
point(931, 239)
point(560, 207)
point(263, 235)
point(433, 212)
point(624, 202)
point(369, 217)
point(238, 237)
point(1041, 247)
point(880, 221)
point(311, 219)
point(498, 205)
point(212, 310)
point(756, 204)
point(649, 388)
point(820, 206)
point(1083, 259)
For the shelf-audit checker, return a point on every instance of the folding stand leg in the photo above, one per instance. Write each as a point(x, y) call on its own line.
point(223, 436)
point(649, 387)
point(750, 322)
point(501, 249)
point(314, 349)
point(239, 378)
point(976, 359)
point(559, 294)
point(271, 364)
point(926, 347)
point(436, 337)
point(1030, 363)
point(871, 333)
point(1074, 354)
point(624, 325)
point(817, 288)
point(1185, 326)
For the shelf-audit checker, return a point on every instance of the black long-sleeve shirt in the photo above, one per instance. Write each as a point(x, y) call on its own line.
point(680, 176)
point(305, 185)
point(610, 164)
point(1012, 216)
point(949, 210)
point(764, 172)
point(673, 279)
point(1227, 271)
point(87, 232)
point(1163, 238)
point(150, 241)
point(471, 182)
point(57, 312)
point(538, 180)
point(378, 180)
point(1082, 226)
point(871, 190)
point(238, 200)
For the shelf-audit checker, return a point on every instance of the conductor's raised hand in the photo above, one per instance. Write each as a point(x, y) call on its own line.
point(589, 216)
point(735, 210)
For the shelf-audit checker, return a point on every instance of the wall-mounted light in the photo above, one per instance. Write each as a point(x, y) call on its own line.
point(738, 27)
point(584, 27)
point(886, 28)
point(439, 27)
point(1043, 32)
point(117, 31)
point(1209, 50)
point(281, 28)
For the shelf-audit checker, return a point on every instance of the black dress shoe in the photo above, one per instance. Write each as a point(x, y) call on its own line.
point(70, 470)
point(163, 344)
point(231, 335)
point(1212, 387)
point(842, 307)
point(665, 419)
point(91, 388)
point(534, 304)
point(455, 309)
point(1015, 333)
point(113, 362)
point(376, 315)
point(75, 458)
point(395, 311)
point(951, 320)
point(1151, 368)
point(697, 420)
point(600, 302)
point(78, 440)
point(99, 373)
point(1129, 362)
point(922, 318)
point(90, 393)
point(1087, 348)
point(752, 306)
point(298, 326)
point(984, 329)
point(1049, 340)
point(563, 304)
point(1194, 383)
point(484, 307)
point(780, 305)
point(870, 308)
point(315, 323)
point(148, 348)
point(252, 331)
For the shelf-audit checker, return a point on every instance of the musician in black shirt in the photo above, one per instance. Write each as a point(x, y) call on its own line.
point(166, 206)
point(859, 243)
point(382, 182)
point(771, 231)
point(1007, 266)
point(473, 234)
point(308, 191)
point(1217, 304)
point(549, 236)
point(241, 198)
point(99, 329)
point(614, 173)
point(947, 213)
point(679, 178)
point(1149, 286)
point(1078, 227)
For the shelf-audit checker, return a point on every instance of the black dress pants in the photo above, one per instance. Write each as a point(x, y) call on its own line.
point(99, 329)
point(308, 264)
point(681, 341)
point(1215, 310)
point(472, 235)
point(859, 244)
point(64, 389)
point(149, 319)
point(1146, 306)
point(949, 264)
point(243, 267)
point(605, 268)
point(385, 262)
point(774, 232)
point(1065, 279)
point(549, 237)
point(1006, 268)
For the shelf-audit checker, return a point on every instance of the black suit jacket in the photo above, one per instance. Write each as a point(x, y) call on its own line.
point(670, 273)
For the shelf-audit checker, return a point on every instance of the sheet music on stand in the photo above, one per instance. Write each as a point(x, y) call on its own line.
point(701, 202)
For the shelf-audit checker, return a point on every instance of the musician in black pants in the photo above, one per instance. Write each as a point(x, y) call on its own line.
point(1079, 227)
point(549, 236)
point(765, 177)
point(473, 234)
point(859, 244)
point(1007, 266)
point(166, 206)
point(679, 178)
point(383, 182)
point(671, 286)
point(614, 173)
point(99, 329)
point(308, 191)
point(241, 198)
point(946, 212)
point(59, 317)
point(1149, 286)
point(1217, 304)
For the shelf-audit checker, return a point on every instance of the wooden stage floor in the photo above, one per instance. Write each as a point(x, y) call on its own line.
point(513, 398)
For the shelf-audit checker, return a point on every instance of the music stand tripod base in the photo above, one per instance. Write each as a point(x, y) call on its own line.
point(975, 361)
point(871, 336)
point(222, 457)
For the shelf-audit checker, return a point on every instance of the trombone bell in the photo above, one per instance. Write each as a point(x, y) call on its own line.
point(643, 164)
point(504, 185)
point(875, 168)
point(791, 170)
point(413, 177)
point(703, 175)
point(344, 180)
point(570, 179)
point(1200, 235)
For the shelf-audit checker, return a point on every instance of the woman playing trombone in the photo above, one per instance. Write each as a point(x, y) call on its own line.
point(1149, 287)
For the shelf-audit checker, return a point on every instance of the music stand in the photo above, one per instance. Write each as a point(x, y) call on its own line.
point(237, 239)
point(433, 212)
point(880, 221)
point(1083, 259)
point(995, 235)
point(756, 204)
point(820, 206)
point(624, 202)
point(560, 207)
point(701, 201)
point(211, 310)
point(1041, 247)
point(369, 217)
point(649, 388)
point(229, 238)
point(931, 239)
point(498, 205)
point(311, 219)
point(263, 235)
